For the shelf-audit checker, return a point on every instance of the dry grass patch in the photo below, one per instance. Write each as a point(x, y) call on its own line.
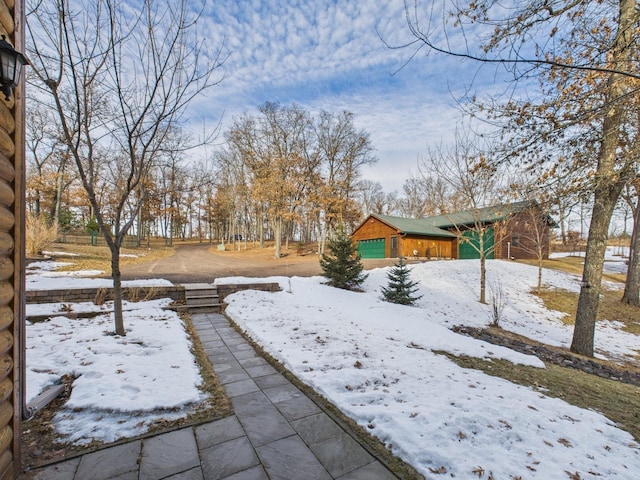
point(99, 257)
point(611, 308)
point(254, 250)
point(619, 402)
point(573, 264)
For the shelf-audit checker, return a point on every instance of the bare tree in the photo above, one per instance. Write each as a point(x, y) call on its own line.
point(48, 160)
point(119, 79)
point(302, 171)
point(413, 203)
point(370, 196)
point(439, 196)
point(475, 182)
point(533, 237)
point(276, 150)
point(343, 151)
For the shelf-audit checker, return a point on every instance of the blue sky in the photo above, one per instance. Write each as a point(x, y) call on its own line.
point(327, 54)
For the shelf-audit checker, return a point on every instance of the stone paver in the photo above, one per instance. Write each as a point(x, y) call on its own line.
point(241, 387)
point(228, 458)
point(110, 462)
point(316, 428)
point(193, 474)
point(218, 432)
point(286, 459)
point(60, 471)
point(265, 425)
point(341, 454)
point(277, 432)
point(169, 454)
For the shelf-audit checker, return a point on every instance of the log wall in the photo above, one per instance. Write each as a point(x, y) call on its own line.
point(12, 307)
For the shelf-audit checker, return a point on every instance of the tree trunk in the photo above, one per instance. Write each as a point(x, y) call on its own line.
point(483, 278)
point(278, 235)
point(589, 299)
point(323, 238)
point(563, 230)
point(59, 188)
point(117, 291)
point(539, 273)
point(631, 294)
point(168, 241)
point(609, 183)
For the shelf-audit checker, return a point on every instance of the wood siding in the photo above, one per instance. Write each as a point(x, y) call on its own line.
point(12, 178)
point(427, 247)
point(518, 238)
point(374, 228)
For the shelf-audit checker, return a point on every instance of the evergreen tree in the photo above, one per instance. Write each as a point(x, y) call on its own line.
point(342, 265)
point(400, 288)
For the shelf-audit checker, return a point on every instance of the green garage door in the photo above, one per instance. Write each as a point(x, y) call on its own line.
point(468, 249)
point(371, 248)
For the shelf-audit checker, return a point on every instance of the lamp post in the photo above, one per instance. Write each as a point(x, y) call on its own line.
point(11, 63)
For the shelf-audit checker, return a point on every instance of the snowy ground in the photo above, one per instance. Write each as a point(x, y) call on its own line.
point(123, 384)
point(374, 360)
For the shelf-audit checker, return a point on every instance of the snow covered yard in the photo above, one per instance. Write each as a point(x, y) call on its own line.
point(122, 385)
point(376, 362)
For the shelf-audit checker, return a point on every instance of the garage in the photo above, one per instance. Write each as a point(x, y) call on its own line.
point(468, 249)
point(372, 248)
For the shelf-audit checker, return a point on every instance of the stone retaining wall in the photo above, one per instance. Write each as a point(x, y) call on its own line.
point(228, 289)
point(175, 292)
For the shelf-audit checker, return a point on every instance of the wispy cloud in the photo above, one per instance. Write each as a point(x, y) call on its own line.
point(329, 55)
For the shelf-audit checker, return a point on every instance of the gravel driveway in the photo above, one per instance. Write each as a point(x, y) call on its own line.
point(202, 263)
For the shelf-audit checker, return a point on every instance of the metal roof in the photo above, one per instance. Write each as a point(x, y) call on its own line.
point(481, 215)
point(436, 226)
point(413, 226)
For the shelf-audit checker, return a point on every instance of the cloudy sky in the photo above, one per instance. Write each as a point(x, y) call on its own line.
point(328, 54)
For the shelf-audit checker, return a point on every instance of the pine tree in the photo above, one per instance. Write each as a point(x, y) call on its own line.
point(400, 287)
point(342, 265)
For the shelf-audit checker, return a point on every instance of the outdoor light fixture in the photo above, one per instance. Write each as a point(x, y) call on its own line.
point(11, 63)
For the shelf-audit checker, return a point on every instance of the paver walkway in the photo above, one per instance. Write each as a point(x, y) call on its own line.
point(277, 432)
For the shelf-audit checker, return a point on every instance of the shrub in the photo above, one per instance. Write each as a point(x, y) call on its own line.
point(39, 233)
point(498, 302)
point(342, 265)
point(400, 288)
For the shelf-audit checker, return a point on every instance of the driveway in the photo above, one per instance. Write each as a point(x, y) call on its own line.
point(201, 263)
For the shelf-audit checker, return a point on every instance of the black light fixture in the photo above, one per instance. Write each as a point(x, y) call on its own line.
point(11, 63)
